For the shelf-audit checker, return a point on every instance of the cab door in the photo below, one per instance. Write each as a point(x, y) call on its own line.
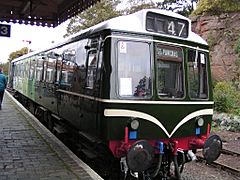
point(90, 121)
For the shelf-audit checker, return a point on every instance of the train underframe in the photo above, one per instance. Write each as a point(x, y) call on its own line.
point(163, 159)
point(127, 159)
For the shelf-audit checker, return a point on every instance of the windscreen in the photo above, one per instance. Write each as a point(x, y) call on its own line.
point(169, 62)
point(134, 69)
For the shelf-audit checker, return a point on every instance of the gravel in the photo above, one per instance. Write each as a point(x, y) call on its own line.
point(201, 171)
point(225, 121)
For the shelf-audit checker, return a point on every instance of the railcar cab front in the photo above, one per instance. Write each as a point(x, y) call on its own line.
point(159, 93)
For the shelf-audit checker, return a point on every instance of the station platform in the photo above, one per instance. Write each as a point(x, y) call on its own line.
point(28, 151)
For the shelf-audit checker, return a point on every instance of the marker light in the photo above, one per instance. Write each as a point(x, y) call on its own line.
point(200, 122)
point(134, 124)
point(133, 135)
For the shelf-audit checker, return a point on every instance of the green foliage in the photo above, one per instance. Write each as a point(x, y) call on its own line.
point(104, 10)
point(184, 7)
point(236, 70)
point(227, 94)
point(18, 53)
point(101, 11)
point(226, 97)
point(215, 7)
point(212, 40)
point(137, 5)
point(237, 48)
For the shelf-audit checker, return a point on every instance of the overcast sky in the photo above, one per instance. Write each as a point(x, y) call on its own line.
point(40, 37)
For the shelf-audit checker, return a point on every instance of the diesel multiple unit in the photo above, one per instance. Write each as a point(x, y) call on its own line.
point(134, 92)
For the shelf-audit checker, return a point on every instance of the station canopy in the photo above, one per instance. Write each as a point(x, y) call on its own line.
point(42, 12)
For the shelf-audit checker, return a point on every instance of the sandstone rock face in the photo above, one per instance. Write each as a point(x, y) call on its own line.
point(221, 32)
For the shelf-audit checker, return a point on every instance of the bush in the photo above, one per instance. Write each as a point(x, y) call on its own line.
point(215, 7)
point(237, 47)
point(212, 40)
point(226, 98)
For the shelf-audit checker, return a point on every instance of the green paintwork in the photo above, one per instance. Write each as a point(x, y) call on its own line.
point(87, 114)
point(168, 115)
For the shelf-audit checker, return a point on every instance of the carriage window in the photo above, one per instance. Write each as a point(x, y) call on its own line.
point(21, 69)
point(51, 66)
point(44, 70)
point(50, 72)
point(169, 71)
point(68, 65)
point(99, 67)
point(81, 53)
point(67, 73)
point(134, 69)
point(39, 69)
point(197, 74)
point(26, 70)
point(32, 69)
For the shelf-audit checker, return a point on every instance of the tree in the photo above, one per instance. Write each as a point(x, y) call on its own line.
point(18, 53)
point(215, 7)
point(137, 5)
point(184, 7)
point(236, 70)
point(101, 11)
point(107, 9)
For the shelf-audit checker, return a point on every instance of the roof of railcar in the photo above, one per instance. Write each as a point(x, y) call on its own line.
point(135, 22)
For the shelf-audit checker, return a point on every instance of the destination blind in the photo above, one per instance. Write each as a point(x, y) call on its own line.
point(167, 25)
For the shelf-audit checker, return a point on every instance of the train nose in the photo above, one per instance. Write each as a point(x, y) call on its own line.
point(140, 156)
point(212, 148)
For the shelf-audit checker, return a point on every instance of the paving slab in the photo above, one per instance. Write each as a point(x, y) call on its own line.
point(28, 151)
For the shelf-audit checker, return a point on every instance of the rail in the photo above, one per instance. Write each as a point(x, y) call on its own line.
point(221, 165)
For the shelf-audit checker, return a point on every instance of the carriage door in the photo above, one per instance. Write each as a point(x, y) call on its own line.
point(92, 87)
point(68, 99)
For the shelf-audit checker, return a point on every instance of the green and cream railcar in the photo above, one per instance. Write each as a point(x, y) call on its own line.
point(138, 85)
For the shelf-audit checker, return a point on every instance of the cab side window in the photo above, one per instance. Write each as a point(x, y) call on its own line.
point(91, 69)
point(197, 74)
point(92, 63)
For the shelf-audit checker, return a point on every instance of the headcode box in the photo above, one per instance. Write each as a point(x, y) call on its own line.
point(5, 30)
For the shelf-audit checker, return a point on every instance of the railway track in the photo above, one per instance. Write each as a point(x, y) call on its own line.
point(224, 166)
point(229, 152)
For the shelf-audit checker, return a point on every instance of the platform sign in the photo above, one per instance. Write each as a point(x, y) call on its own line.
point(5, 30)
